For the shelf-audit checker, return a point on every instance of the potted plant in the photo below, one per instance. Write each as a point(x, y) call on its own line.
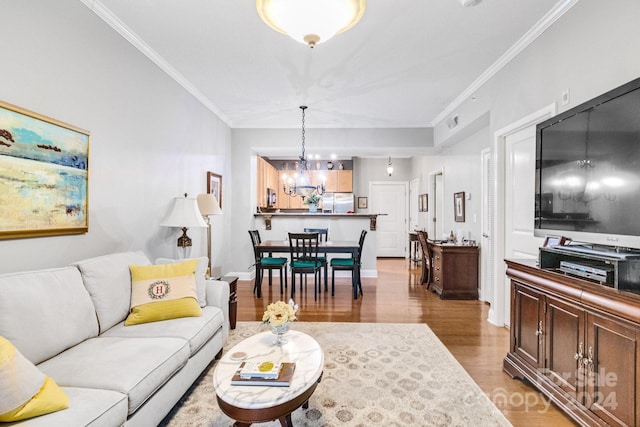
point(312, 200)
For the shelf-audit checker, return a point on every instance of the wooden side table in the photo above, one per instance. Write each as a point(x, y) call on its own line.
point(454, 271)
point(233, 299)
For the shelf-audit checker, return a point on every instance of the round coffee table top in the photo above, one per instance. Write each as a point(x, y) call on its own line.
point(300, 348)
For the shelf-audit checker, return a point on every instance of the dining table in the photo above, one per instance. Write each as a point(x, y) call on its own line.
point(269, 247)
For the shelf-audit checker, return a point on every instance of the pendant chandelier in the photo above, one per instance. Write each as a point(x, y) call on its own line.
point(311, 21)
point(300, 184)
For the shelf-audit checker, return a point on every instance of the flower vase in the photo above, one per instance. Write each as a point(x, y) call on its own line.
point(313, 208)
point(279, 331)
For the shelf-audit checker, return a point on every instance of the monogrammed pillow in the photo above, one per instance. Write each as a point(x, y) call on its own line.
point(163, 291)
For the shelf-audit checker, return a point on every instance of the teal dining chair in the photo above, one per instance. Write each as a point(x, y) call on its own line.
point(303, 249)
point(350, 264)
point(268, 263)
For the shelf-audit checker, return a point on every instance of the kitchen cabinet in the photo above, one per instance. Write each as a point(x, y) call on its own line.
point(577, 342)
point(267, 178)
point(344, 181)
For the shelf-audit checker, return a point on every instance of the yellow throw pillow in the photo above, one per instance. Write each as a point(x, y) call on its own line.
point(163, 291)
point(25, 392)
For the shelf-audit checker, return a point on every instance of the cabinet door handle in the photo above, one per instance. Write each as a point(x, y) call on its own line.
point(539, 332)
point(579, 356)
point(588, 362)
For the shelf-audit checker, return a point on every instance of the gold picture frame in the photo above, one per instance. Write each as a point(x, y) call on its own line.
point(44, 185)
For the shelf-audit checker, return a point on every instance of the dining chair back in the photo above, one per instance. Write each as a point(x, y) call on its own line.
point(427, 259)
point(323, 233)
point(303, 249)
point(268, 263)
point(351, 264)
point(323, 236)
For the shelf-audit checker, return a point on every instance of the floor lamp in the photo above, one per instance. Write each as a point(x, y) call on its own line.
point(208, 205)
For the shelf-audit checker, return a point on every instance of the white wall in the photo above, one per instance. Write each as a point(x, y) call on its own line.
point(589, 50)
point(150, 140)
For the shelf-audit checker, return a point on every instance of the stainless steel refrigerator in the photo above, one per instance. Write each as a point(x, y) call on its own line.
point(338, 202)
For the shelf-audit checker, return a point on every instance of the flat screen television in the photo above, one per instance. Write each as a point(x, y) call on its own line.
point(588, 171)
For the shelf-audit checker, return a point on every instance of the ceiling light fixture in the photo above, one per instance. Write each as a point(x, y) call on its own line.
point(300, 184)
point(311, 21)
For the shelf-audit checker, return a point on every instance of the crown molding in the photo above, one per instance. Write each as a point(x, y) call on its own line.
point(529, 37)
point(112, 20)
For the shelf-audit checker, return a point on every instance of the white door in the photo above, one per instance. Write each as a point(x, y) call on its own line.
point(520, 165)
point(486, 242)
point(390, 200)
point(503, 204)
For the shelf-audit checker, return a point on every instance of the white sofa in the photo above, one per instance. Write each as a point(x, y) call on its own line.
point(69, 322)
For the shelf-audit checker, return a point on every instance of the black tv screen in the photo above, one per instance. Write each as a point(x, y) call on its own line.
point(588, 171)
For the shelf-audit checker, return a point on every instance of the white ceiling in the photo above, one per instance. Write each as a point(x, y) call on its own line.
point(403, 65)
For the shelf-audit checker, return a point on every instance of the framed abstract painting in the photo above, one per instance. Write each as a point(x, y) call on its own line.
point(44, 175)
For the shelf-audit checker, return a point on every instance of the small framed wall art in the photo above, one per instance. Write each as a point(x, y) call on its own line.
point(423, 203)
point(45, 175)
point(362, 203)
point(214, 186)
point(458, 206)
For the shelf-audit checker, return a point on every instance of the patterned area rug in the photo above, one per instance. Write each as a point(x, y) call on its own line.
point(375, 374)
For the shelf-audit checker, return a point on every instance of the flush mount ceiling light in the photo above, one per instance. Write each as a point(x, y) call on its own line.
point(311, 21)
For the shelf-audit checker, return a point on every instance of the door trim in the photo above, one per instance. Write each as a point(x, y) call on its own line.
point(431, 203)
point(497, 315)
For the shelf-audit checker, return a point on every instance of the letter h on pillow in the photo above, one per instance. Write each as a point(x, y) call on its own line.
point(162, 292)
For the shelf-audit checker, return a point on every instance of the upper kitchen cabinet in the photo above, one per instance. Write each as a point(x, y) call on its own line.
point(340, 181)
point(345, 181)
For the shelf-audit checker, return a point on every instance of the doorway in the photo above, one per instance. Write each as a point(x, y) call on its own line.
point(511, 145)
point(390, 200)
point(436, 205)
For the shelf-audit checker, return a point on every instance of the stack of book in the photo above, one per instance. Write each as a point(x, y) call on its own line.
point(264, 373)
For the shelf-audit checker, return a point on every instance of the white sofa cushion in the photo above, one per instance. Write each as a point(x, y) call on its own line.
point(196, 330)
point(108, 280)
point(136, 367)
point(44, 312)
point(201, 271)
point(87, 407)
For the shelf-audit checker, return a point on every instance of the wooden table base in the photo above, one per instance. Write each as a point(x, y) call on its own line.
point(246, 417)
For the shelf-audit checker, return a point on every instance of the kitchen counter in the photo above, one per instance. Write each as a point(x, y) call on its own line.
point(269, 215)
point(340, 227)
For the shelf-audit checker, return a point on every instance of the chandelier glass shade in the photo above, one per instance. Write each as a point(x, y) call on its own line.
point(311, 21)
point(300, 184)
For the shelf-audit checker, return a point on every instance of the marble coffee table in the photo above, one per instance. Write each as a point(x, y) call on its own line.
point(254, 404)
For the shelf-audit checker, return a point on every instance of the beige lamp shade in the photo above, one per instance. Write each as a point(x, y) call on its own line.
point(311, 21)
point(184, 213)
point(208, 205)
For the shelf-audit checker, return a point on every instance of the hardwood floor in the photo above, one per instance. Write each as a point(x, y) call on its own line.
point(395, 297)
